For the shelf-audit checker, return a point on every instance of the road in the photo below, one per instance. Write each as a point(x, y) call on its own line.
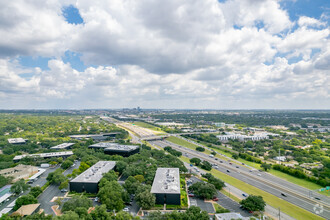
point(269, 177)
point(257, 179)
point(45, 199)
point(226, 202)
point(39, 182)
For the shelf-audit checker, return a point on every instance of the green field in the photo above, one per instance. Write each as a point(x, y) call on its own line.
point(146, 125)
point(184, 143)
point(270, 199)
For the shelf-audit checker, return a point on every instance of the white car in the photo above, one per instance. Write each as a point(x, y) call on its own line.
point(126, 209)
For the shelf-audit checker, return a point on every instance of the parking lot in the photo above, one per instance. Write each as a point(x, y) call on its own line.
point(224, 201)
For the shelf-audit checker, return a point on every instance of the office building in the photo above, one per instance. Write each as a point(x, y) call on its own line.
point(19, 172)
point(63, 154)
point(89, 180)
point(16, 141)
point(62, 146)
point(95, 137)
point(166, 186)
point(118, 149)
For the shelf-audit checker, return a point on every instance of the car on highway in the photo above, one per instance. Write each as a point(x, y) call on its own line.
point(250, 171)
point(216, 158)
point(317, 198)
point(221, 161)
point(259, 174)
point(228, 171)
point(191, 165)
point(230, 163)
point(283, 194)
point(243, 194)
point(243, 164)
point(237, 166)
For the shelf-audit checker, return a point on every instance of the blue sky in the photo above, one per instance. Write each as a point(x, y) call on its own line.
point(202, 54)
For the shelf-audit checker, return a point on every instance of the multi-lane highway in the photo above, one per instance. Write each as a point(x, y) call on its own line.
point(276, 186)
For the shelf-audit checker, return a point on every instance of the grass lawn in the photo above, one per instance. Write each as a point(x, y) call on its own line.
point(236, 199)
point(184, 143)
point(146, 125)
point(219, 209)
point(270, 199)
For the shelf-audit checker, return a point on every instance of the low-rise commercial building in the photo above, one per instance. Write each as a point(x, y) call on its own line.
point(166, 186)
point(95, 137)
point(114, 148)
point(63, 154)
point(89, 180)
point(26, 210)
point(16, 141)
point(62, 146)
point(230, 216)
point(19, 172)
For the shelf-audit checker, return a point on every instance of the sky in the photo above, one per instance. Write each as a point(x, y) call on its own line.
point(174, 54)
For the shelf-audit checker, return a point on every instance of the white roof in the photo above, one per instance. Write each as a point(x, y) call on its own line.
point(95, 172)
point(54, 154)
point(5, 211)
point(62, 146)
point(5, 196)
point(167, 180)
point(16, 140)
point(41, 171)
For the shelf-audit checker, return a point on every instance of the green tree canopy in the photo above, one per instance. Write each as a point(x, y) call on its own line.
point(254, 203)
point(19, 187)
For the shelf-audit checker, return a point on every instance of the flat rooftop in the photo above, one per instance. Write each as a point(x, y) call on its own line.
point(167, 180)
point(95, 172)
point(53, 154)
point(93, 135)
point(114, 146)
point(16, 140)
point(62, 146)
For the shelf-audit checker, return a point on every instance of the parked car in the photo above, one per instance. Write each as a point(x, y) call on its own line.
point(96, 199)
point(215, 199)
point(191, 195)
point(126, 209)
point(64, 190)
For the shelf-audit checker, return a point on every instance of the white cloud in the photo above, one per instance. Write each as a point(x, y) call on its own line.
point(169, 54)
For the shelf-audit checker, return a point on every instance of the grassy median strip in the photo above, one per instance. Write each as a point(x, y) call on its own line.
point(185, 143)
point(286, 207)
point(148, 126)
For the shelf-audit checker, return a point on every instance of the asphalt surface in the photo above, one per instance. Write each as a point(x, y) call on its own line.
point(226, 202)
point(39, 182)
point(53, 191)
point(243, 173)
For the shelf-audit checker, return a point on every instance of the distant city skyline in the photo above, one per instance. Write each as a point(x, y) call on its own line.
point(200, 54)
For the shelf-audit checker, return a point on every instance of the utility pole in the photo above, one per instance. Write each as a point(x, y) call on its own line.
point(279, 213)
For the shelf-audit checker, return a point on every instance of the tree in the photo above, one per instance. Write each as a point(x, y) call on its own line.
point(64, 184)
point(218, 184)
point(266, 166)
point(206, 165)
point(253, 203)
point(66, 164)
point(145, 199)
point(203, 190)
point(100, 212)
point(139, 178)
point(235, 156)
point(200, 149)
point(25, 200)
point(121, 166)
point(196, 161)
point(4, 181)
point(112, 195)
point(19, 187)
point(75, 202)
point(69, 215)
point(124, 216)
point(56, 177)
point(35, 191)
point(131, 185)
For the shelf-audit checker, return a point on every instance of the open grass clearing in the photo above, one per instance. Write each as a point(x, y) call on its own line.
point(148, 126)
point(185, 143)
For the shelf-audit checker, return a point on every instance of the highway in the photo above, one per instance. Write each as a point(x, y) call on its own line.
point(325, 200)
point(255, 178)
